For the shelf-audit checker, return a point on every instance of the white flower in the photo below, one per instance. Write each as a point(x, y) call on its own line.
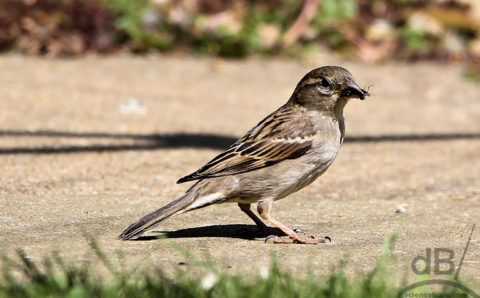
point(209, 281)
point(264, 272)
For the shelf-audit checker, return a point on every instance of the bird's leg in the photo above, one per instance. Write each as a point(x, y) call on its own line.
point(264, 208)
point(263, 227)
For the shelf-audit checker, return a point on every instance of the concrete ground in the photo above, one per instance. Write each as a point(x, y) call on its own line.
point(90, 145)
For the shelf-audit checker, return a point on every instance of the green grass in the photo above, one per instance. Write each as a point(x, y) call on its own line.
point(55, 278)
point(473, 74)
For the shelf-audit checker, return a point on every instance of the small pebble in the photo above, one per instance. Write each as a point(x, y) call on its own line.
point(133, 106)
point(401, 208)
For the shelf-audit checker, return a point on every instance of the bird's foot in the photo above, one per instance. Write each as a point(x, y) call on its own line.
point(298, 239)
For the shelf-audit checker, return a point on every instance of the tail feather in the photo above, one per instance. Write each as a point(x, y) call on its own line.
point(151, 220)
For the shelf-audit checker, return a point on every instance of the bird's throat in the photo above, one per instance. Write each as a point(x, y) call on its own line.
point(339, 106)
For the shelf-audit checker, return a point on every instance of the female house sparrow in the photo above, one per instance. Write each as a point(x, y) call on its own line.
point(282, 154)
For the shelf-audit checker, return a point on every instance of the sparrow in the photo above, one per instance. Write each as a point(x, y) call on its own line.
point(282, 154)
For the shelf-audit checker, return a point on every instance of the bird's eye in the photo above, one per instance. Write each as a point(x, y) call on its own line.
point(325, 83)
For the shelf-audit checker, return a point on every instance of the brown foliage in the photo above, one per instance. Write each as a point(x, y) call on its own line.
point(53, 27)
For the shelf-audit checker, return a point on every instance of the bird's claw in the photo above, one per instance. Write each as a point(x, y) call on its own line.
point(270, 237)
point(300, 231)
point(324, 239)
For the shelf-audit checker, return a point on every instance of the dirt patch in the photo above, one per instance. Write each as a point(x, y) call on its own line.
point(73, 162)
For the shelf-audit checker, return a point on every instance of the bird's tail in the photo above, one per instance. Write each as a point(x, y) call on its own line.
point(151, 220)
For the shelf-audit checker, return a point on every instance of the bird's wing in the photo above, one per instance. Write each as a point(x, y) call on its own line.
point(282, 135)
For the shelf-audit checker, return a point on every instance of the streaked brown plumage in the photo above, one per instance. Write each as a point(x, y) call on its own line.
point(273, 140)
point(283, 153)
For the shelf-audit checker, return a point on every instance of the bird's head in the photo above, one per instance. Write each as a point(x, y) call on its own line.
point(327, 89)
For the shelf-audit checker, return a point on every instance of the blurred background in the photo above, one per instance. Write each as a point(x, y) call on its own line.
point(370, 30)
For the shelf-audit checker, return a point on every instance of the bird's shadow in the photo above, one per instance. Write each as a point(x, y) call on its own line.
point(238, 231)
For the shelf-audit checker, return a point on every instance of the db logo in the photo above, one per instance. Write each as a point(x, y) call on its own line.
point(442, 262)
point(437, 261)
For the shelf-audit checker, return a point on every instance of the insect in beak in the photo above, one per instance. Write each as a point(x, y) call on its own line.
point(352, 89)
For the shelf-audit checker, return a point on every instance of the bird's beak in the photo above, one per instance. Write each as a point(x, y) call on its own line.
point(352, 89)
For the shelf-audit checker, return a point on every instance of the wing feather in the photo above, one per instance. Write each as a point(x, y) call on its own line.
point(284, 134)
